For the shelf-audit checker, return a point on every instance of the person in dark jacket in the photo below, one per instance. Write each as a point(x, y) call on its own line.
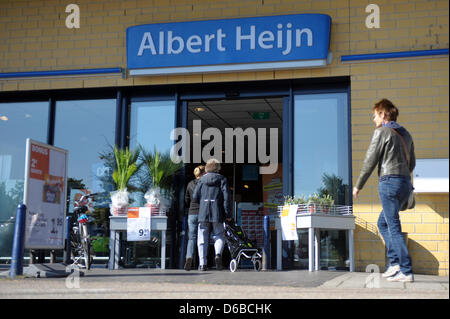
point(213, 194)
point(392, 148)
point(192, 216)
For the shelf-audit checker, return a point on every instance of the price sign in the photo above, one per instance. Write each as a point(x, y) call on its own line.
point(45, 193)
point(138, 224)
point(289, 222)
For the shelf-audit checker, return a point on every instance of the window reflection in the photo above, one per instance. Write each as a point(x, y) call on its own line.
point(86, 129)
point(151, 123)
point(150, 126)
point(321, 166)
point(321, 146)
point(18, 121)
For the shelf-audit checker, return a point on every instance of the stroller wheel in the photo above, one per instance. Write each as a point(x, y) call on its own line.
point(257, 264)
point(233, 265)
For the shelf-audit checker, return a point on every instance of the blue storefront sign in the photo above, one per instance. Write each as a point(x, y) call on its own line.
point(275, 42)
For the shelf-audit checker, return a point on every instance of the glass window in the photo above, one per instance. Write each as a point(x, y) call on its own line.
point(333, 253)
point(151, 123)
point(86, 128)
point(18, 121)
point(150, 126)
point(321, 166)
point(321, 148)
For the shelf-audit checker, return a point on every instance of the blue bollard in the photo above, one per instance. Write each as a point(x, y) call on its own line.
point(266, 248)
point(18, 243)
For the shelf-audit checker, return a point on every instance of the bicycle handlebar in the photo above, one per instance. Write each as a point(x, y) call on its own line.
point(83, 197)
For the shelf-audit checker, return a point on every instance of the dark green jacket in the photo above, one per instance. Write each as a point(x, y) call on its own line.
point(386, 149)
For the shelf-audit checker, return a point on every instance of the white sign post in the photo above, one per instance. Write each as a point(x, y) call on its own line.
point(45, 193)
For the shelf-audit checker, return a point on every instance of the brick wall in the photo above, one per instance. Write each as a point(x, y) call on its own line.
point(419, 88)
point(34, 37)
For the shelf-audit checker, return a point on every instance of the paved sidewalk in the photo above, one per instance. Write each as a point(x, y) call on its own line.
point(243, 284)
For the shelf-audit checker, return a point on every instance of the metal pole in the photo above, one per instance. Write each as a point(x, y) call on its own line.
point(18, 242)
point(266, 250)
point(183, 241)
point(52, 256)
point(311, 249)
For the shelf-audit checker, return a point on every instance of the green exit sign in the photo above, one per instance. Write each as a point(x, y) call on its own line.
point(261, 115)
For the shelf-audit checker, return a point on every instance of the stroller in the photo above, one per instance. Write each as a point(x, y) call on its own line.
point(241, 246)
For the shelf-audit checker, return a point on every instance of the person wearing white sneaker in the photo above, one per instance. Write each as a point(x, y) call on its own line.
point(392, 149)
point(400, 277)
point(391, 271)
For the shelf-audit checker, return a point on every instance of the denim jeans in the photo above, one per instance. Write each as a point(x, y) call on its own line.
point(393, 192)
point(218, 233)
point(192, 235)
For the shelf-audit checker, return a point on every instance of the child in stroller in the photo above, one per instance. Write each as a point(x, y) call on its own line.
point(241, 246)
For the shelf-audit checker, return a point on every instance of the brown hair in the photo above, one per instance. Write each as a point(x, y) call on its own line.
point(386, 106)
point(199, 170)
point(212, 165)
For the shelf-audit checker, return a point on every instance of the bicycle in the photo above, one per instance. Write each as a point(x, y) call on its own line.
point(80, 241)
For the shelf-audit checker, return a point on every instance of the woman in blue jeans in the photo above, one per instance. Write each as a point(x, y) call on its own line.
point(213, 194)
point(192, 216)
point(392, 149)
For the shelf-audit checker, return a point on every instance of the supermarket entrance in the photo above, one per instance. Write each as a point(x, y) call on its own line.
point(253, 165)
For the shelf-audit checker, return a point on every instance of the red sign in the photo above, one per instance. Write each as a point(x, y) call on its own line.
point(39, 162)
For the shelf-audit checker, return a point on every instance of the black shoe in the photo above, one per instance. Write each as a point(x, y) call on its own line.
point(202, 268)
point(188, 264)
point(219, 265)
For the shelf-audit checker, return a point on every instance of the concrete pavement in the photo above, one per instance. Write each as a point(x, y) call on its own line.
point(212, 284)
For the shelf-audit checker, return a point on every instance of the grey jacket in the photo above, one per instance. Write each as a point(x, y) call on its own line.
point(386, 149)
point(213, 194)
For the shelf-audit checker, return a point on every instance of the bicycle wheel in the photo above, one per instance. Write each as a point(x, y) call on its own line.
point(75, 245)
point(86, 243)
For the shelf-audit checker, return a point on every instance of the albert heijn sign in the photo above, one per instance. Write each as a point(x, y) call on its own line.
point(260, 43)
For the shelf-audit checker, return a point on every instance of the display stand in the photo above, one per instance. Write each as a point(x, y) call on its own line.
point(119, 224)
point(314, 222)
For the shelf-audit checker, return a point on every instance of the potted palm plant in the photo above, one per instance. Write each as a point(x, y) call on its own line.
point(326, 202)
point(313, 203)
point(159, 172)
point(126, 167)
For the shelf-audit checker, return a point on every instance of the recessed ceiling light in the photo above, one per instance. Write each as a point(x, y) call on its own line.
point(3, 118)
point(199, 109)
point(27, 116)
